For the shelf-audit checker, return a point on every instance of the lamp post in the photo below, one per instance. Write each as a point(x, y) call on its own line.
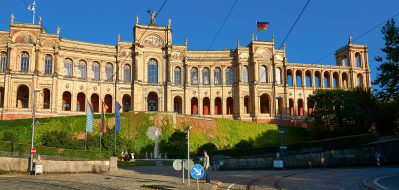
point(33, 129)
point(280, 126)
point(188, 153)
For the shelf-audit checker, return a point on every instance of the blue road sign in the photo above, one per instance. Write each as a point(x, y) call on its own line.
point(197, 171)
point(377, 155)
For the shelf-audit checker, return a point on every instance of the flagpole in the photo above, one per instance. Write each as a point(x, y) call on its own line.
point(102, 122)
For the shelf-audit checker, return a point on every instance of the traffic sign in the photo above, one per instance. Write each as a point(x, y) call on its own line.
point(377, 155)
point(278, 163)
point(177, 164)
point(197, 171)
point(283, 147)
point(33, 150)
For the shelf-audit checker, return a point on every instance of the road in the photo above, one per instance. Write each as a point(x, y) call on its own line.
point(166, 178)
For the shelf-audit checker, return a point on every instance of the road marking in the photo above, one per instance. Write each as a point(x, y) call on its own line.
point(230, 186)
point(378, 184)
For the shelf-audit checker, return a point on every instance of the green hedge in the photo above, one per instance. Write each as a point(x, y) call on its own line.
point(320, 145)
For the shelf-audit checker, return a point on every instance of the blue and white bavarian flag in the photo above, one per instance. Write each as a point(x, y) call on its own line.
point(89, 117)
point(32, 7)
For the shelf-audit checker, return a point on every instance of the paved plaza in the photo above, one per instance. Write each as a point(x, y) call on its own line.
point(147, 177)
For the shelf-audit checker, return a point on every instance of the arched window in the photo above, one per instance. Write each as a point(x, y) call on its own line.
point(218, 76)
point(360, 80)
point(290, 81)
point(68, 67)
point(358, 60)
point(244, 74)
point(82, 69)
point(48, 64)
point(95, 69)
point(229, 76)
point(24, 61)
point(109, 72)
point(335, 80)
point(263, 74)
point(194, 75)
point(22, 97)
point(317, 79)
point(66, 101)
point(127, 73)
point(205, 76)
point(152, 71)
point(177, 75)
point(327, 80)
point(278, 75)
point(3, 62)
point(344, 61)
point(298, 78)
point(308, 78)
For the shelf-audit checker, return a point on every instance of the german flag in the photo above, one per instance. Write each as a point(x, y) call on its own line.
point(103, 118)
point(262, 25)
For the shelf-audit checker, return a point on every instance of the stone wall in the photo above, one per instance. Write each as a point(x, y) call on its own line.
point(359, 156)
point(51, 166)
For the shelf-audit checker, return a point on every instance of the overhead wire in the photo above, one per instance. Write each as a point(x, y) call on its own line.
point(359, 37)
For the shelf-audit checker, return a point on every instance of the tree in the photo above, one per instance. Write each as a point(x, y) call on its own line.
point(342, 112)
point(388, 78)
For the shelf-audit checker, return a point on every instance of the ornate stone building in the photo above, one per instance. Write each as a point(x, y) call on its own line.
point(153, 74)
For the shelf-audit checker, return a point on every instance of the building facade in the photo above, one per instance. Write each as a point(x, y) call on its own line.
point(60, 76)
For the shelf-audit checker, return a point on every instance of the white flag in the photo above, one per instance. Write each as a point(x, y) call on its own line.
point(32, 7)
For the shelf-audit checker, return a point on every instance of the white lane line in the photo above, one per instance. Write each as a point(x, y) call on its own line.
point(230, 186)
point(378, 184)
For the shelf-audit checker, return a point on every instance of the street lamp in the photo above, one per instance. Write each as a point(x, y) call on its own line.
point(280, 126)
point(33, 129)
point(188, 153)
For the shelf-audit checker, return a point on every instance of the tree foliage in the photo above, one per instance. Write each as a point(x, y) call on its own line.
point(388, 78)
point(342, 112)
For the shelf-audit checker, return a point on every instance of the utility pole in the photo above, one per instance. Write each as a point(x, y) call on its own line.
point(188, 153)
point(33, 129)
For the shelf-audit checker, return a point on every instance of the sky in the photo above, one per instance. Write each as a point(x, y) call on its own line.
point(324, 26)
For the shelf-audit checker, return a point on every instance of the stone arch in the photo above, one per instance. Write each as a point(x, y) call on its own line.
point(278, 75)
point(298, 76)
point(300, 107)
point(177, 105)
point(229, 106)
point(335, 80)
point(152, 101)
point(290, 79)
point(263, 74)
point(126, 102)
point(344, 61)
point(46, 98)
point(206, 106)
point(194, 106)
point(108, 103)
point(326, 79)
point(360, 81)
point(345, 80)
point(310, 108)
point(264, 103)
point(317, 78)
point(291, 107)
point(81, 102)
point(218, 106)
point(247, 104)
point(1, 97)
point(358, 60)
point(152, 71)
point(308, 78)
point(22, 96)
point(66, 101)
point(95, 102)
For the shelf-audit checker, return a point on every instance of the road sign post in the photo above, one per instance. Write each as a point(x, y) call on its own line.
point(197, 172)
point(378, 158)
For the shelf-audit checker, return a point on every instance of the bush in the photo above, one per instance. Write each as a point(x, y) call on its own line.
point(244, 144)
point(209, 147)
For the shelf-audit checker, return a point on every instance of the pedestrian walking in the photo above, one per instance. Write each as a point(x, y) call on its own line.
point(206, 164)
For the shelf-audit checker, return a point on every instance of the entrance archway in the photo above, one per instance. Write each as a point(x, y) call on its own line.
point(46, 98)
point(126, 102)
point(246, 104)
point(177, 104)
point(194, 106)
point(80, 102)
point(95, 102)
point(22, 97)
point(152, 101)
point(229, 106)
point(66, 101)
point(108, 103)
point(264, 104)
point(218, 106)
point(206, 106)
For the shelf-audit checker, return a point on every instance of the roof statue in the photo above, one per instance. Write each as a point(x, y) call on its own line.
point(153, 14)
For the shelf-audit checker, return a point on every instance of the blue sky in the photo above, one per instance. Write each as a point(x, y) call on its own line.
point(324, 27)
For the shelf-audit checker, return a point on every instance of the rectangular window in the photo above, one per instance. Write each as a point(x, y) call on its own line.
point(48, 65)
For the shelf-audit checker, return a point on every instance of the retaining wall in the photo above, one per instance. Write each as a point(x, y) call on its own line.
point(51, 166)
